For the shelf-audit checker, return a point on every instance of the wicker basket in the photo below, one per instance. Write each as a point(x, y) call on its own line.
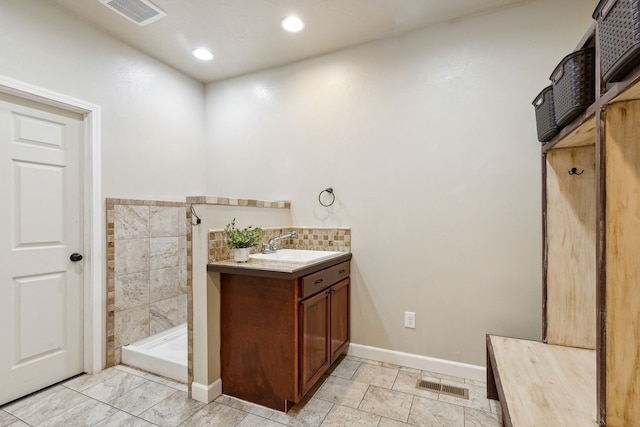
point(545, 115)
point(619, 37)
point(573, 83)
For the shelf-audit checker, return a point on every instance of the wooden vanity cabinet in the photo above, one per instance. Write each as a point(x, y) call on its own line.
point(324, 332)
point(280, 334)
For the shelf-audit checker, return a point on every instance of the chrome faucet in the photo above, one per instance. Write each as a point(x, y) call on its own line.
point(270, 246)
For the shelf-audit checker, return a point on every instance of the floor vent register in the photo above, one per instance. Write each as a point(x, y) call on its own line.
point(448, 390)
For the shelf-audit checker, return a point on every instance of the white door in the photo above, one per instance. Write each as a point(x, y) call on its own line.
point(41, 295)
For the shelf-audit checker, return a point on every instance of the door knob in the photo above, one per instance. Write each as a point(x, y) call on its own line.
point(75, 257)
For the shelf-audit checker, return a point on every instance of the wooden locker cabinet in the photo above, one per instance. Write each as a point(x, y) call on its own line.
point(586, 371)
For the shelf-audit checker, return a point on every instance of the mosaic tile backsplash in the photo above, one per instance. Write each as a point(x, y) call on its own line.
point(312, 238)
point(146, 272)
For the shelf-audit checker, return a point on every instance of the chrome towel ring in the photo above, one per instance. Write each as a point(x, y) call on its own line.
point(327, 199)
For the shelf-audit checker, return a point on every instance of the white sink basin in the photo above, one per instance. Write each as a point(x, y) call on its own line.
point(295, 256)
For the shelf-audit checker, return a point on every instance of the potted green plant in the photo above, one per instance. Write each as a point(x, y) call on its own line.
point(241, 240)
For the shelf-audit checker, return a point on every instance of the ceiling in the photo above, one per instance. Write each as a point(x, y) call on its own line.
point(245, 35)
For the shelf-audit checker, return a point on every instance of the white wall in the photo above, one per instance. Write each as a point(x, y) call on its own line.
point(152, 115)
point(429, 142)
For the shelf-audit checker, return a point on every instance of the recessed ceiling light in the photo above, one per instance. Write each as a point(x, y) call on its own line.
point(203, 54)
point(293, 24)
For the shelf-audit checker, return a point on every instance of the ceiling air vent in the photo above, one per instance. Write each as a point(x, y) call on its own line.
point(142, 12)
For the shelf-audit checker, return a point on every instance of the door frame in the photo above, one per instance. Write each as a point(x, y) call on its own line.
point(92, 214)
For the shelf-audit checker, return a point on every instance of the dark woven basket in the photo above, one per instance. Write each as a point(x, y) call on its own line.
point(545, 115)
point(619, 37)
point(574, 87)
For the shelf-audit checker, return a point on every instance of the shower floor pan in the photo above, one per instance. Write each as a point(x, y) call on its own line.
point(164, 353)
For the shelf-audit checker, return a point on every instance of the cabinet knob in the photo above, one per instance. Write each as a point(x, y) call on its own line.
point(317, 282)
point(341, 271)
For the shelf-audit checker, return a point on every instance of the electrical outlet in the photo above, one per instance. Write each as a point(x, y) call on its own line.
point(409, 319)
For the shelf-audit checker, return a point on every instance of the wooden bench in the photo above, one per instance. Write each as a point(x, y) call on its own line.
point(541, 385)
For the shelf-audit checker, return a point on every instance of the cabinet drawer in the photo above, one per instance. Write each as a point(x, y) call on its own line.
point(316, 282)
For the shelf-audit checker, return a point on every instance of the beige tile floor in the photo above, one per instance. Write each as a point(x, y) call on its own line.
point(356, 392)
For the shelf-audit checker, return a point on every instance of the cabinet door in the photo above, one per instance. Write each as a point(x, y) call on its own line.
point(314, 339)
point(339, 318)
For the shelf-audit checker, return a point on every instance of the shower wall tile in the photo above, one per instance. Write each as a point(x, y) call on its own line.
point(131, 325)
point(164, 314)
point(184, 222)
point(182, 309)
point(182, 251)
point(165, 221)
point(183, 279)
point(147, 270)
point(165, 229)
point(132, 256)
point(164, 283)
point(164, 252)
point(131, 290)
point(131, 222)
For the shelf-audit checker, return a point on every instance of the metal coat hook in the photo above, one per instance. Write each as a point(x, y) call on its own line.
point(330, 200)
point(574, 171)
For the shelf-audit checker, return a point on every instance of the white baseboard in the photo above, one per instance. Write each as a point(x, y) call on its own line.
point(442, 366)
point(206, 393)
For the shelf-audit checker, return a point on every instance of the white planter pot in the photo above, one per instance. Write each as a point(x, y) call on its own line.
point(241, 254)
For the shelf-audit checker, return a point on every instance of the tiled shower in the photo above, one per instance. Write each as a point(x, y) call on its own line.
point(146, 271)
